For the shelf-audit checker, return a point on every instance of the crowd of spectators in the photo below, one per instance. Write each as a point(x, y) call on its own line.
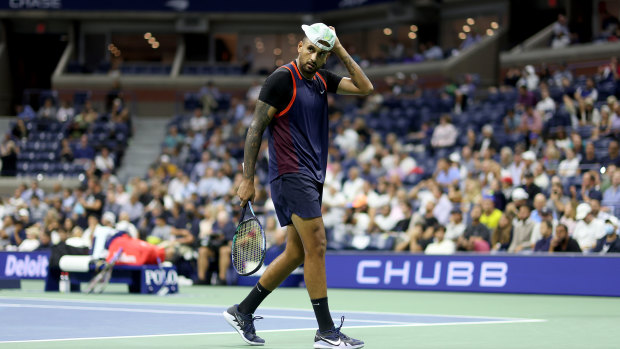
point(61, 137)
point(607, 30)
point(451, 178)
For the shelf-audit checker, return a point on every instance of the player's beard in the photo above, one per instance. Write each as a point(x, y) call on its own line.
point(308, 70)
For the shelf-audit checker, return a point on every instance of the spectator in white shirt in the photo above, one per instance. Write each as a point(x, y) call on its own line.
point(198, 122)
point(516, 169)
point(383, 220)
point(369, 152)
point(31, 242)
point(65, 112)
point(104, 161)
point(529, 79)
point(588, 229)
point(445, 133)
point(456, 226)
point(354, 185)
point(443, 205)
point(440, 244)
point(176, 184)
point(206, 184)
point(541, 179)
point(433, 52)
point(205, 162)
point(333, 207)
point(569, 167)
point(125, 225)
point(346, 138)
point(546, 105)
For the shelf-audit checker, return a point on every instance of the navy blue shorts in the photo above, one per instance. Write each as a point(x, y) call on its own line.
point(298, 194)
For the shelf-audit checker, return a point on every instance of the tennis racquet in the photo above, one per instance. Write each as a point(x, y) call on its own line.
point(101, 280)
point(249, 244)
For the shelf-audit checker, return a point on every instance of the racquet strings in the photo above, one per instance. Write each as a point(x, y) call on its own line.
point(248, 246)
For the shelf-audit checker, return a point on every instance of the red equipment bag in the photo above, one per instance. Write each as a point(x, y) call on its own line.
point(135, 251)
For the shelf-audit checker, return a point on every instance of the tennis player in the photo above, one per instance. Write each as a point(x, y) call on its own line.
point(293, 105)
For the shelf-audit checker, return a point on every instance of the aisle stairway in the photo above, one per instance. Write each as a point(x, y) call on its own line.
point(144, 146)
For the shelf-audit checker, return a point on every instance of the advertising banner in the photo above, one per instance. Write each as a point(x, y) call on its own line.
point(23, 265)
point(544, 274)
point(154, 279)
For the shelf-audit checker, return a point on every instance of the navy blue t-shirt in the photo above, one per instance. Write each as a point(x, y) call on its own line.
point(21, 234)
point(298, 134)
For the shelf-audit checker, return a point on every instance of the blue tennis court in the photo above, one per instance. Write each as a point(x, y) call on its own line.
point(31, 318)
point(40, 320)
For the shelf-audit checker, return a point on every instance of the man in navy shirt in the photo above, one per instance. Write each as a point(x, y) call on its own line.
point(83, 150)
point(610, 242)
point(613, 158)
point(293, 105)
point(546, 231)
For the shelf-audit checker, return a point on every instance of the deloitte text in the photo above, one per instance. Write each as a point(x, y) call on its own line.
point(26, 267)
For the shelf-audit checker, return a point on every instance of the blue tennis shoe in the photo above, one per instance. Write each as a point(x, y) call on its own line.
point(335, 339)
point(244, 324)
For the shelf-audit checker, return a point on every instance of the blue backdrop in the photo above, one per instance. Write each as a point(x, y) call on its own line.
point(23, 265)
point(544, 274)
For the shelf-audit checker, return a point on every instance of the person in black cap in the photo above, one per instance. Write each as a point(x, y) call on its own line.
point(530, 188)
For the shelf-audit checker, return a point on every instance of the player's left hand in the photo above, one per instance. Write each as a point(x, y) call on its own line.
point(337, 43)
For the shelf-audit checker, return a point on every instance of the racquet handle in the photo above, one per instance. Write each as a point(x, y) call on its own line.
point(249, 204)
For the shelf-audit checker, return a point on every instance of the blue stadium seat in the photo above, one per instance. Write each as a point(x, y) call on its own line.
point(103, 68)
point(80, 98)
point(189, 70)
point(74, 67)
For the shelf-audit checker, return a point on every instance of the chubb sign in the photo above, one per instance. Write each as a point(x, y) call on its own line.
point(497, 273)
point(18, 265)
point(451, 274)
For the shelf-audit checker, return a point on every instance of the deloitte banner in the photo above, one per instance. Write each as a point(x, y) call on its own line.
point(552, 274)
point(23, 265)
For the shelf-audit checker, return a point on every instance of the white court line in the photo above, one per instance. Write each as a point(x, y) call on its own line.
point(96, 301)
point(176, 312)
point(265, 331)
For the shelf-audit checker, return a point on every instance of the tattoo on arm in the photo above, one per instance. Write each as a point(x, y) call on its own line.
point(254, 138)
point(351, 66)
point(357, 75)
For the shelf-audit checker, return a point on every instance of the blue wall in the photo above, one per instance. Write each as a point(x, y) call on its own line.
point(542, 274)
point(24, 265)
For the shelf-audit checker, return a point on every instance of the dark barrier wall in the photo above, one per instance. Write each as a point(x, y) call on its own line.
point(544, 274)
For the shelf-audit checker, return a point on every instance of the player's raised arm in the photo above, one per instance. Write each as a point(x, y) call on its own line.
point(262, 117)
point(358, 83)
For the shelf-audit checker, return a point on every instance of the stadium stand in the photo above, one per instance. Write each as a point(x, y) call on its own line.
point(416, 164)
